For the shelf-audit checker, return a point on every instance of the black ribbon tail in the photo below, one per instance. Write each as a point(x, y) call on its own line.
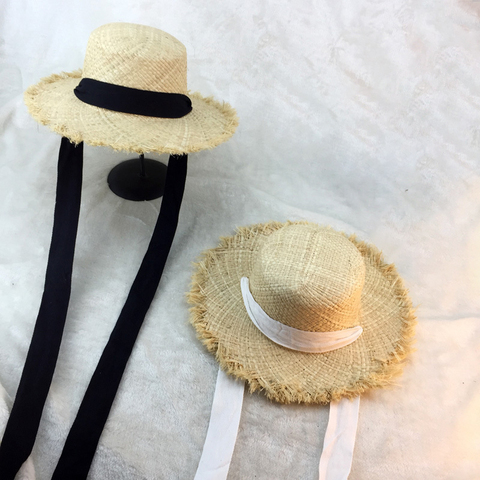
point(22, 425)
point(82, 441)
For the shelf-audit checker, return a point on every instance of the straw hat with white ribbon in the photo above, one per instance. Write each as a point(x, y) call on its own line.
point(302, 312)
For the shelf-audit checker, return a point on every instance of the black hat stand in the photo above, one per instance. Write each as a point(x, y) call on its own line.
point(138, 179)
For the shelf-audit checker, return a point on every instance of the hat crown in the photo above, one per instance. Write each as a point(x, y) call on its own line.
point(310, 278)
point(136, 56)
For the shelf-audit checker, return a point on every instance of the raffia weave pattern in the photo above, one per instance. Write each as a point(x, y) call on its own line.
point(309, 279)
point(312, 289)
point(134, 56)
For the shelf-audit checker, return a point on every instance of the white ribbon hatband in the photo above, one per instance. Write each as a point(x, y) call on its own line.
point(293, 338)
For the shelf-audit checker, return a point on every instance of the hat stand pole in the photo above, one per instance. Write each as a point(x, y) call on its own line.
point(138, 179)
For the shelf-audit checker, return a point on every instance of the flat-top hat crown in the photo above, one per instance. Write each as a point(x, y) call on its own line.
point(309, 278)
point(136, 56)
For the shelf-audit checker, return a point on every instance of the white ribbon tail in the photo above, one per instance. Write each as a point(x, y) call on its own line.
point(339, 442)
point(222, 429)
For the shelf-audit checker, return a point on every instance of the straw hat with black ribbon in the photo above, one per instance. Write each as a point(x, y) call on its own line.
point(131, 95)
point(305, 314)
point(153, 112)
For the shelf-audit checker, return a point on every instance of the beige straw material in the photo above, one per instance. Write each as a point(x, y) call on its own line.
point(140, 57)
point(311, 278)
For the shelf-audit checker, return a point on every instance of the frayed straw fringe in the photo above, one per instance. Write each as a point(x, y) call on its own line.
point(388, 371)
point(39, 114)
point(29, 97)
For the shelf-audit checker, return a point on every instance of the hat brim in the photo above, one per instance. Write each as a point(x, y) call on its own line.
point(286, 376)
point(52, 103)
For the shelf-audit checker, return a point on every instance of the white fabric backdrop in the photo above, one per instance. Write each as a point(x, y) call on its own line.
point(364, 115)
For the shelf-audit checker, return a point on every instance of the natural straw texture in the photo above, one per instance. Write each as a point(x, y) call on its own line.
point(312, 278)
point(140, 57)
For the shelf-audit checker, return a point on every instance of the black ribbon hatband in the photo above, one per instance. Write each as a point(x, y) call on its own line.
point(132, 100)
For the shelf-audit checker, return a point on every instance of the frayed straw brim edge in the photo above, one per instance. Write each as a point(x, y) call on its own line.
point(76, 137)
point(385, 375)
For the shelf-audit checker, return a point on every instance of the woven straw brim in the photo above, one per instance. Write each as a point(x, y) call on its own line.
point(52, 103)
point(222, 323)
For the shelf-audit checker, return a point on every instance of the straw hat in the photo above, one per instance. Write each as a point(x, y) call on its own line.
point(313, 279)
point(140, 57)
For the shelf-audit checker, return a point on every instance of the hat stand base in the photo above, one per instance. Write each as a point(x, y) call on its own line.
point(138, 179)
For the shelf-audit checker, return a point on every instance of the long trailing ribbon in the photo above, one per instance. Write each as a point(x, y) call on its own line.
point(339, 440)
point(82, 441)
point(37, 374)
point(84, 435)
point(222, 429)
point(337, 453)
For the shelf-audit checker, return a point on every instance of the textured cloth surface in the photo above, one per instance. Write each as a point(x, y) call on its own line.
point(361, 115)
